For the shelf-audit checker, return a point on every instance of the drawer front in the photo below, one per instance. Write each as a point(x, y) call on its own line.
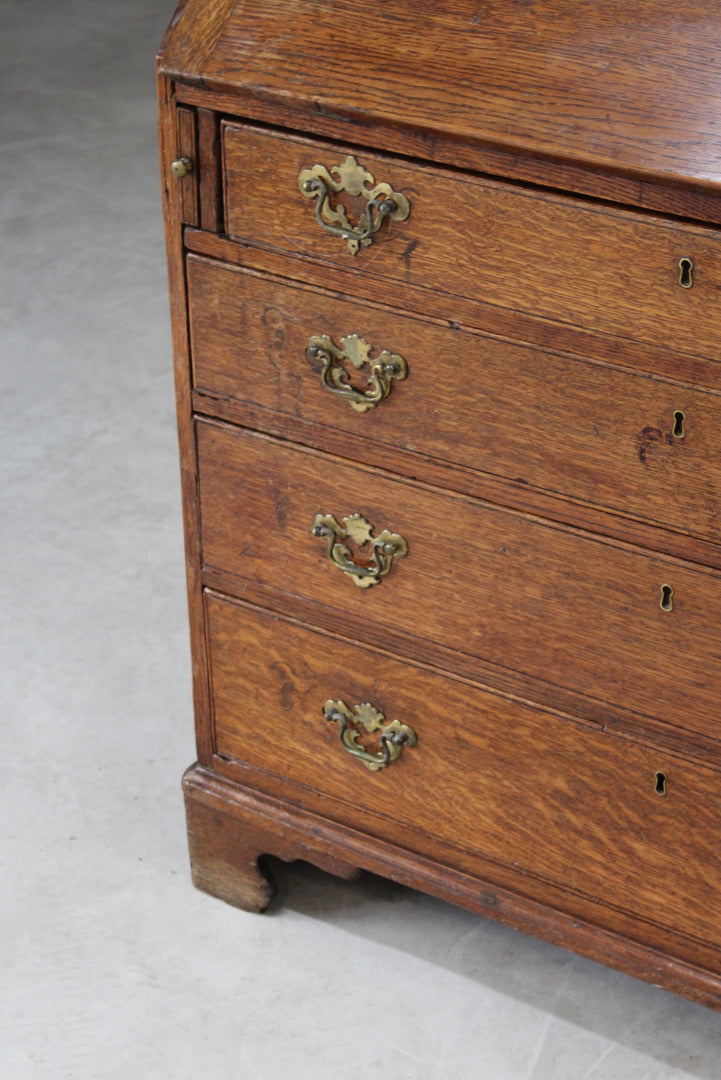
point(523, 594)
point(629, 442)
point(583, 264)
point(514, 784)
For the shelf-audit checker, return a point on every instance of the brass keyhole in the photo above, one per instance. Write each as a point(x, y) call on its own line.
point(678, 422)
point(660, 783)
point(685, 277)
point(666, 598)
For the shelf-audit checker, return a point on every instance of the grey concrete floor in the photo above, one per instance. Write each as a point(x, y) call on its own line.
point(113, 966)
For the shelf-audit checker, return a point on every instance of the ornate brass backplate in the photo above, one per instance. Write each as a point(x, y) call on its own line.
point(381, 201)
point(382, 370)
point(393, 736)
point(382, 548)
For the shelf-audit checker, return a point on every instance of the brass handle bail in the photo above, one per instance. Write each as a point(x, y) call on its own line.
point(364, 571)
point(322, 351)
point(381, 201)
point(366, 719)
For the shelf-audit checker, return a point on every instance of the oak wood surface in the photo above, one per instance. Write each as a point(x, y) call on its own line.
point(583, 264)
point(173, 197)
point(540, 79)
point(652, 193)
point(571, 805)
point(190, 37)
point(487, 871)
point(559, 423)
point(228, 861)
point(211, 200)
point(529, 458)
point(463, 312)
point(574, 610)
point(291, 833)
point(187, 147)
point(513, 493)
point(661, 731)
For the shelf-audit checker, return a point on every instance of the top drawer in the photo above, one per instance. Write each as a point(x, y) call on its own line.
point(574, 262)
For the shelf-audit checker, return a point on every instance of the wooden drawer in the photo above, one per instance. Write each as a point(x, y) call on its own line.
point(572, 261)
point(504, 781)
point(573, 610)
point(632, 443)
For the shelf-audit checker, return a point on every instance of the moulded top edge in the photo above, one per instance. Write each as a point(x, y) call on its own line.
point(632, 88)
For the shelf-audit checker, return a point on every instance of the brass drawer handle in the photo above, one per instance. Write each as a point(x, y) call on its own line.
point(393, 736)
point(383, 369)
point(381, 201)
point(364, 571)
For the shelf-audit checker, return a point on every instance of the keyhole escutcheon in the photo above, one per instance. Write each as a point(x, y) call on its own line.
point(679, 418)
point(666, 602)
point(661, 780)
point(685, 272)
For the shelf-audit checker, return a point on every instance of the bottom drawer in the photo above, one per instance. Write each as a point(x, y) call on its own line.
point(623, 823)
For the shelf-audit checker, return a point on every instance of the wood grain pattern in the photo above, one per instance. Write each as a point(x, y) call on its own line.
point(551, 459)
point(291, 833)
point(568, 804)
point(188, 41)
point(211, 201)
point(187, 147)
point(464, 312)
point(533, 77)
point(227, 861)
point(656, 193)
point(556, 422)
point(582, 264)
point(604, 714)
point(172, 211)
point(574, 610)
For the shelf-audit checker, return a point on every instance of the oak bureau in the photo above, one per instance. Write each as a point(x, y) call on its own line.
point(445, 283)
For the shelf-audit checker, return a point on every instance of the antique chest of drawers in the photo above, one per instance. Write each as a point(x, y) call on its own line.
point(445, 285)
